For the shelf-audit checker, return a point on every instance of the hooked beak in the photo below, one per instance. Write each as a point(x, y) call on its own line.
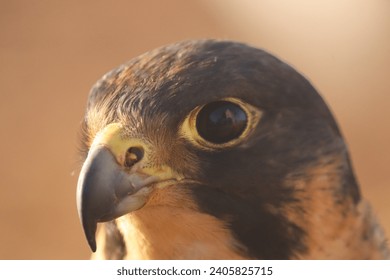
point(107, 188)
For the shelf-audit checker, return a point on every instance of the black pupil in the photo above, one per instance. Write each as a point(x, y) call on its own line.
point(220, 122)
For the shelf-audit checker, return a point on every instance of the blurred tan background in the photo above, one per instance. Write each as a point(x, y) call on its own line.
point(51, 53)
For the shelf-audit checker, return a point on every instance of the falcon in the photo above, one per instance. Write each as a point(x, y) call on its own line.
point(209, 149)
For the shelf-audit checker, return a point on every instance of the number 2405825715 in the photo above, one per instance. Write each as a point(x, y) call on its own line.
point(240, 270)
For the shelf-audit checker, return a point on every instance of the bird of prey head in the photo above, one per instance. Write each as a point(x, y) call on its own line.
point(217, 150)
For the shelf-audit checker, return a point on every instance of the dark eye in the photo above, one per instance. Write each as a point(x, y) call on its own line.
point(221, 121)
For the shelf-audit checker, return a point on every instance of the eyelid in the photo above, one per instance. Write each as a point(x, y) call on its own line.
point(189, 132)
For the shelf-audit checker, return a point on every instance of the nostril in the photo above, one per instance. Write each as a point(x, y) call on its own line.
point(133, 155)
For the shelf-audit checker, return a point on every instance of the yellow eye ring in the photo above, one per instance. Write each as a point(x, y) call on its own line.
point(220, 124)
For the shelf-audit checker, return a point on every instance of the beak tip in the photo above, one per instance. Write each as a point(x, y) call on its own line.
point(92, 244)
point(90, 232)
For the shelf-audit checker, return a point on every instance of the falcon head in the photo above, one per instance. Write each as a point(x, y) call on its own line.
point(214, 149)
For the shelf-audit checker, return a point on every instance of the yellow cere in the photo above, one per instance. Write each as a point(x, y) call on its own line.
point(112, 137)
